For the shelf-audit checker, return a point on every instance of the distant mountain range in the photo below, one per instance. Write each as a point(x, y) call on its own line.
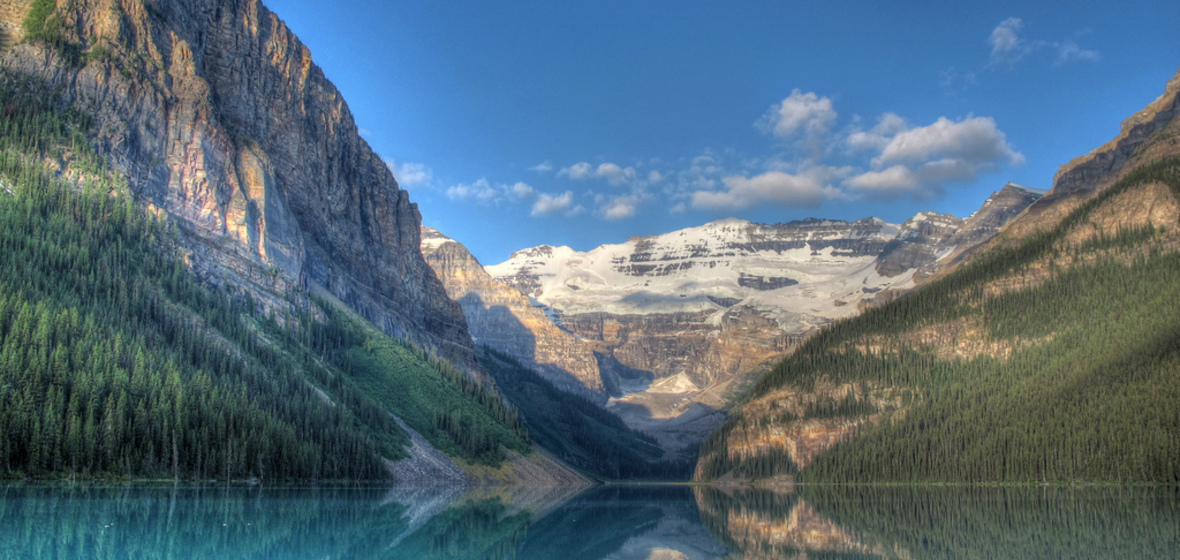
point(664, 325)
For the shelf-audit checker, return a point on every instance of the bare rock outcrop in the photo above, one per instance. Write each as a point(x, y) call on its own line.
point(503, 318)
point(218, 118)
point(1146, 136)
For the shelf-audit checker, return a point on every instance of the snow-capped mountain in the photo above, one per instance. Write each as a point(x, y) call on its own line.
point(673, 319)
point(809, 267)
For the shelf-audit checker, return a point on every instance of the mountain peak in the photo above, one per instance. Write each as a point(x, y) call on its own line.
point(1015, 186)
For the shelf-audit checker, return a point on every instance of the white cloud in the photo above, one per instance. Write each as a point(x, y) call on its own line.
point(522, 190)
point(974, 140)
point(480, 191)
point(1069, 51)
point(616, 175)
point(1009, 48)
point(807, 189)
point(891, 159)
point(800, 112)
point(410, 175)
point(893, 180)
point(620, 207)
point(920, 161)
point(543, 167)
point(876, 138)
point(654, 177)
point(577, 171)
point(484, 192)
point(613, 173)
point(549, 204)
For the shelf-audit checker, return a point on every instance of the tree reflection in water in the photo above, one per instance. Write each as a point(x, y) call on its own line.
point(617, 522)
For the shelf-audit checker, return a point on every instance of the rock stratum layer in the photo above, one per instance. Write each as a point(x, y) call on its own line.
point(219, 119)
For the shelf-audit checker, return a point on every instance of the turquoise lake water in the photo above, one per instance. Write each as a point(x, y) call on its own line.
point(656, 523)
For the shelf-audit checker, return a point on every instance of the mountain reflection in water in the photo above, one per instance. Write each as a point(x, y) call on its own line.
point(615, 522)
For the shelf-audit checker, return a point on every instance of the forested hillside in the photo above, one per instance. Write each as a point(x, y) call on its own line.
point(1052, 358)
point(115, 362)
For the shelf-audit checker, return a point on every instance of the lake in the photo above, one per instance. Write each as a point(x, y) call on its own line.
point(616, 522)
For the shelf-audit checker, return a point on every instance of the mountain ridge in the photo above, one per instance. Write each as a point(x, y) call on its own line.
point(1017, 364)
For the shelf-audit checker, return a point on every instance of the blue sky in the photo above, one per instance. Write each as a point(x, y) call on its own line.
point(515, 124)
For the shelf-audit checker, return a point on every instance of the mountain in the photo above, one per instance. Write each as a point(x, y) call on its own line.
point(221, 121)
point(503, 318)
point(206, 273)
point(666, 325)
point(1050, 353)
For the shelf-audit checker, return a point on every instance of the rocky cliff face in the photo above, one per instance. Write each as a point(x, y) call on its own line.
point(1147, 136)
point(219, 119)
point(506, 320)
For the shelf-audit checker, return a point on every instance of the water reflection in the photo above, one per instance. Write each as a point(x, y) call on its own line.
point(925, 522)
point(607, 522)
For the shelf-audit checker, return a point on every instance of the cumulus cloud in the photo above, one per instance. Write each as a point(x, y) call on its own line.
point(577, 171)
point(481, 191)
point(1009, 48)
point(543, 167)
point(620, 207)
point(892, 158)
point(521, 190)
point(411, 175)
point(614, 173)
point(1069, 51)
point(974, 140)
point(876, 138)
point(550, 204)
point(807, 189)
point(801, 112)
point(484, 192)
point(920, 161)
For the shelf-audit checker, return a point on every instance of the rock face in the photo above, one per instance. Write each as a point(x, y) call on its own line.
point(506, 320)
point(219, 119)
point(1149, 135)
point(675, 319)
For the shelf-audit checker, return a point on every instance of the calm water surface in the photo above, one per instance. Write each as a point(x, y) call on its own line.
point(59, 522)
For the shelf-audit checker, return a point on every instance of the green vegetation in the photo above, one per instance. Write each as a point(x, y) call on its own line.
point(771, 463)
point(578, 431)
point(39, 24)
point(44, 24)
point(453, 412)
point(1090, 392)
point(114, 362)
